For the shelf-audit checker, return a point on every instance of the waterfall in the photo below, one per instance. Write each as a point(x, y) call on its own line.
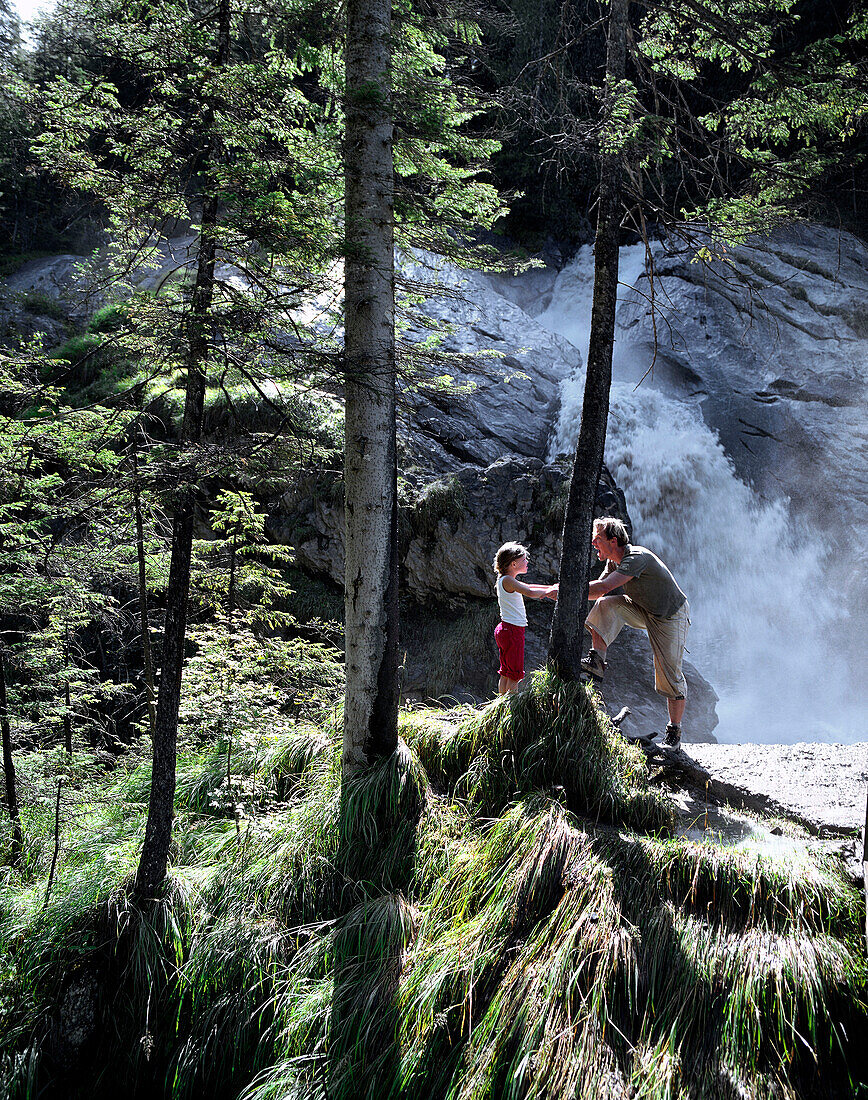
point(764, 626)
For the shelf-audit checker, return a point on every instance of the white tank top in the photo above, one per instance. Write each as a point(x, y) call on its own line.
point(511, 605)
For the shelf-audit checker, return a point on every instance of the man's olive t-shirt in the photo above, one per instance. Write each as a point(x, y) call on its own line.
point(653, 587)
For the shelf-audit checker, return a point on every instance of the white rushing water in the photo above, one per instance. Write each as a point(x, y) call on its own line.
point(763, 630)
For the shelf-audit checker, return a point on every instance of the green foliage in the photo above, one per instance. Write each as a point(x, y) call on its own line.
point(79, 348)
point(554, 728)
point(243, 684)
point(62, 560)
point(37, 301)
point(455, 948)
point(241, 572)
point(791, 114)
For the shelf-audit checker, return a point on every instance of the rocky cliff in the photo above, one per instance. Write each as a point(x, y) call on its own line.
point(768, 348)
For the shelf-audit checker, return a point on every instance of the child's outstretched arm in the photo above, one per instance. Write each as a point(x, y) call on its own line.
point(532, 591)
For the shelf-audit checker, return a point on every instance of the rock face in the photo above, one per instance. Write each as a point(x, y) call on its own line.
point(822, 786)
point(506, 375)
point(452, 525)
point(775, 344)
point(472, 472)
point(45, 295)
point(777, 338)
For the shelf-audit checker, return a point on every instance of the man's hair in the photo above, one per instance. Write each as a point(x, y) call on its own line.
point(506, 555)
point(612, 529)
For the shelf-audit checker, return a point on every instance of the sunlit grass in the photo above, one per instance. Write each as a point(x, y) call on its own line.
point(493, 911)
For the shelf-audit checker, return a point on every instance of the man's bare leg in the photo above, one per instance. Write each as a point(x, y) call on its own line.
point(597, 643)
point(676, 710)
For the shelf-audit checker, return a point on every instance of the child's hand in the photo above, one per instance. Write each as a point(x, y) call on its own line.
point(552, 593)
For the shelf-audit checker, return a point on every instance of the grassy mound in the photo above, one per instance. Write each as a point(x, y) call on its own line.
point(553, 735)
point(496, 911)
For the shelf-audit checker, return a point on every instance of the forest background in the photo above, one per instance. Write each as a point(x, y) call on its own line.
point(164, 419)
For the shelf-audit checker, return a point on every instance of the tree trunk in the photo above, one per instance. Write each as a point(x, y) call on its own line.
point(230, 594)
point(370, 469)
point(865, 869)
point(9, 769)
point(147, 658)
point(565, 644)
point(67, 718)
point(158, 833)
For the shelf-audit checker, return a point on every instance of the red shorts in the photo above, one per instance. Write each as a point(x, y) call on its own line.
point(510, 642)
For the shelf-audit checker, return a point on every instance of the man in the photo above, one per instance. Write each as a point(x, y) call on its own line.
point(650, 600)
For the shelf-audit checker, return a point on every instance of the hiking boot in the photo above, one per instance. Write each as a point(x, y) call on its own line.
point(594, 664)
point(672, 736)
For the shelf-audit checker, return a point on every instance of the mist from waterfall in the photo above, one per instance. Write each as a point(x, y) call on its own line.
point(763, 625)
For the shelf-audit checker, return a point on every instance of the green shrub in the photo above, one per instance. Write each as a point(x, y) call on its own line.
point(108, 319)
point(79, 348)
point(43, 305)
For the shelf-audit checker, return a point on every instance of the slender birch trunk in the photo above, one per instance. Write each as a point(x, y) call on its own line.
point(565, 644)
point(371, 578)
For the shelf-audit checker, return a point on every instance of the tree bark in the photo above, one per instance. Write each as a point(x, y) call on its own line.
point(147, 658)
point(565, 643)
point(154, 860)
point(67, 718)
point(370, 464)
point(9, 770)
point(865, 870)
point(230, 594)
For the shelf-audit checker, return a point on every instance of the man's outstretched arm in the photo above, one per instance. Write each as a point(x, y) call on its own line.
point(606, 584)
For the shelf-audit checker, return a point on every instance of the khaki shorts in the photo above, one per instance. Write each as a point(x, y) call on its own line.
point(667, 636)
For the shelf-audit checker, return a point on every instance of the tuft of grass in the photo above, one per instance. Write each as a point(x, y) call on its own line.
point(742, 888)
point(479, 917)
point(461, 641)
point(43, 305)
point(551, 735)
point(443, 500)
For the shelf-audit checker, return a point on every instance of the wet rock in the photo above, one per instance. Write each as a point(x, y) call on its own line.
point(775, 343)
point(629, 681)
point(452, 525)
point(504, 394)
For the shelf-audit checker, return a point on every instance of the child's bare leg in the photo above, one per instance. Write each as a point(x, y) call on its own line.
point(597, 642)
point(505, 685)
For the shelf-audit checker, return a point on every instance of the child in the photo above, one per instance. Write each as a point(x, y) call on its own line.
point(510, 560)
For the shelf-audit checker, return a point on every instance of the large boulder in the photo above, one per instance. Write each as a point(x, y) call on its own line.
point(506, 373)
